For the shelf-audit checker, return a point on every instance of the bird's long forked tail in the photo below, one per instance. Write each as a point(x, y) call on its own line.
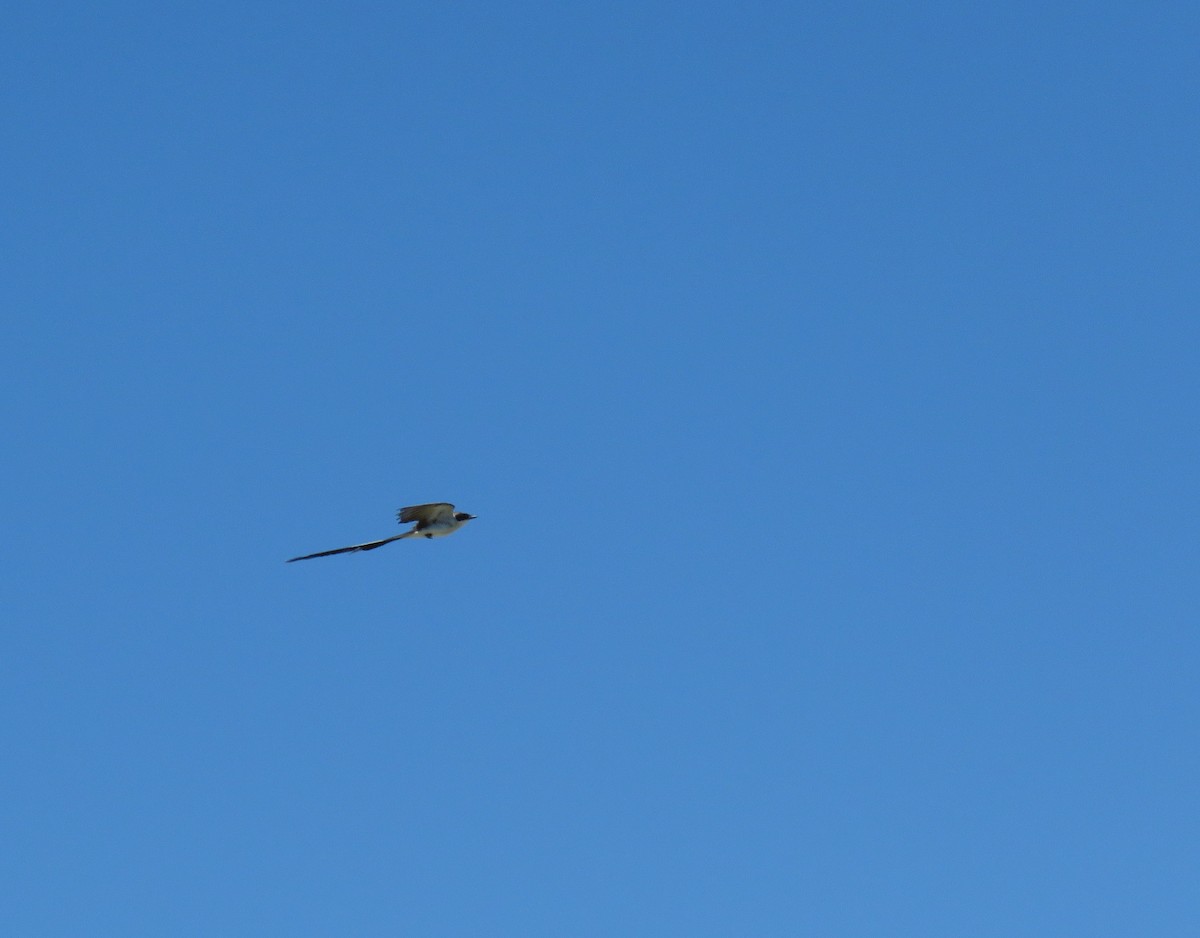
point(370, 545)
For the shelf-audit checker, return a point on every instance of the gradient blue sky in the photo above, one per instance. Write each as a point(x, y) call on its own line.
point(824, 377)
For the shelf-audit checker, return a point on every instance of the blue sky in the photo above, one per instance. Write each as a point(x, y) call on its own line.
point(824, 380)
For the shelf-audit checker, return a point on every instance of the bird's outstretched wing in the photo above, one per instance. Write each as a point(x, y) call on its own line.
point(370, 545)
point(426, 514)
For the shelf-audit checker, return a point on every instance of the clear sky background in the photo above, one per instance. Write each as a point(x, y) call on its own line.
point(824, 377)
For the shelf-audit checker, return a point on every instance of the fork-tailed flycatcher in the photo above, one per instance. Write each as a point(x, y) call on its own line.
point(434, 520)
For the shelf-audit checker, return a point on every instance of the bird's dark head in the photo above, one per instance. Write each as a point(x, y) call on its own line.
point(463, 516)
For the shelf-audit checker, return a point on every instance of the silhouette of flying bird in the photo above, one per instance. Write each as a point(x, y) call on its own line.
point(436, 519)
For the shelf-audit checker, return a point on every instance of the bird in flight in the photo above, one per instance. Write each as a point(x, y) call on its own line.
point(434, 520)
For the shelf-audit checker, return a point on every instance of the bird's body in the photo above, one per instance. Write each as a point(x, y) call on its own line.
point(437, 519)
